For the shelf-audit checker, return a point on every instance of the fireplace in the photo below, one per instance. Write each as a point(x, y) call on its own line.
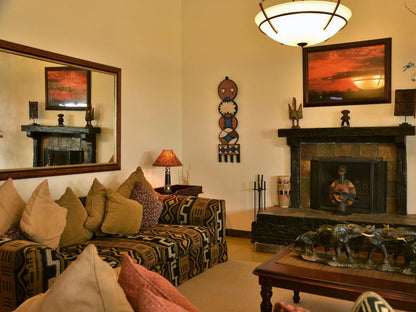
point(363, 140)
point(281, 226)
point(55, 145)
point(60, 157)
point(362, 181)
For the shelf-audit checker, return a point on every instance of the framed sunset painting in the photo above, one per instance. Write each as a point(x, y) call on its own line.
point(347, 74)
point(67, 88)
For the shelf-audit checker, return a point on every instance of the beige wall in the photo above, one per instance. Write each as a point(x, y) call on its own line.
point(220, 39)
point(173, 55)
point(124, 34)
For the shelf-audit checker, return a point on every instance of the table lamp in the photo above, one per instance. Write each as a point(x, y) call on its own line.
point(167, 159)
point(405, 104)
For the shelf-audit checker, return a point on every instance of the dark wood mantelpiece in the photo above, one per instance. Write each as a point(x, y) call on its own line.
point(397, 135)
point(37, 132)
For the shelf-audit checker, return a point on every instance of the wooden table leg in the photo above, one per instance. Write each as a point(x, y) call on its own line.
point(266, 294)
point(296, 297)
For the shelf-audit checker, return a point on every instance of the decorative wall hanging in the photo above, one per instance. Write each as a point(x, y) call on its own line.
point(227, 90)
point(347, 74)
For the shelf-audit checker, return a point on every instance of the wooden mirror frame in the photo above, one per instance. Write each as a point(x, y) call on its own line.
point(22, 173)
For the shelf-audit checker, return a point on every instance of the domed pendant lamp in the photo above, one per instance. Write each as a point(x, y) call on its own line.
point(302, 23)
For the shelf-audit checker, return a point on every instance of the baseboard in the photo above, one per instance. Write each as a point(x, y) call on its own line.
point(238, 233)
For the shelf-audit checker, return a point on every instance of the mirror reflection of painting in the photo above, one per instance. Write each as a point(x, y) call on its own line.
point(67, 88)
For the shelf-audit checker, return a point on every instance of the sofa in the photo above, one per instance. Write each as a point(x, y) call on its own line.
point(187, 239)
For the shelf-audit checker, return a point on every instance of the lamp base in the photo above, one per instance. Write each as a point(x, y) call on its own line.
point(405, 124)
point(168, 186)
point(167, 189)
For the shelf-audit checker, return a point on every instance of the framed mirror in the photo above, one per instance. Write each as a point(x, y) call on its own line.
point(37, 140)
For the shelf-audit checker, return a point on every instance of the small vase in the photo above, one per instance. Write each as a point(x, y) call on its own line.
point(283, 191)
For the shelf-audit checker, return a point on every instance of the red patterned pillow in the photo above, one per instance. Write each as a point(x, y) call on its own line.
point(150, 302)
point(134, 278)
point(152, 207)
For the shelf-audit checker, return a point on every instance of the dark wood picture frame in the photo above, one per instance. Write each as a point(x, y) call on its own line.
point(347, 74)
point(67, 88)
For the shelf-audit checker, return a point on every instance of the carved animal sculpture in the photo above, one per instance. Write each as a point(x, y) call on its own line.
point(371, 241)
point(295, 113)
point(343, 234)
point(304, 241)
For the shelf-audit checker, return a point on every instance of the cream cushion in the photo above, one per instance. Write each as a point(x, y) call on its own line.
point(127, 186)
point(123, 215)
point(43, 220)
point(74, 231)
point(11, 206)
point(95, 206)
point(88, 284)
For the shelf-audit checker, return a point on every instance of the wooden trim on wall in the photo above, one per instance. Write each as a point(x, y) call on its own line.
point(238, 233)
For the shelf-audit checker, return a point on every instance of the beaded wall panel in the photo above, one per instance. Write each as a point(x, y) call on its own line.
point(228, 148)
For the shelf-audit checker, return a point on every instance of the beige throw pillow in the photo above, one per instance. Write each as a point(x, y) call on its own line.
point(43, 220)
point(127, 186)
point(11, 206)
point(88, 284)
point(74, 231)
point(123, 216)
point(95, 206)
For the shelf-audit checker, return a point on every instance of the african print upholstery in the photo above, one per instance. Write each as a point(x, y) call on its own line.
point(371, 302)
point(189, 239)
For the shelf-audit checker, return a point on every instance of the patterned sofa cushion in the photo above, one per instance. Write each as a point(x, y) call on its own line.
point(190, 210)
point(36, 265)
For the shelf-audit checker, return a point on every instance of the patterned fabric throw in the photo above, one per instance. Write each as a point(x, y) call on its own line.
point(371, 302)
point(152, 207)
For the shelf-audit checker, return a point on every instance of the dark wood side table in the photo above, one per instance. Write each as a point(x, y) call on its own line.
point(178, 189)
point(288, 273)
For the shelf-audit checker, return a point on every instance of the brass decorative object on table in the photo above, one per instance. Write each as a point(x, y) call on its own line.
point(360, 247)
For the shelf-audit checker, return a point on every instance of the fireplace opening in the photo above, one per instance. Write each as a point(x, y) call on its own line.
point(60, 157)
point(349, 184)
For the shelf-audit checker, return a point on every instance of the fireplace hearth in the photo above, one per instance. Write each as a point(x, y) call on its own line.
point(280, 226)
point(363, 184)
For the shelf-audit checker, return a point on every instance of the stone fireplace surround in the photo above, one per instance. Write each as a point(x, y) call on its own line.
point(280, 226)
point(350, 139)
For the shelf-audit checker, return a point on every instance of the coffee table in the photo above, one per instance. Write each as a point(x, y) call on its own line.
point(286, 270)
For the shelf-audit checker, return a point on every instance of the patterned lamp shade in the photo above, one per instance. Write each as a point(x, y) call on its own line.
point(167, 158)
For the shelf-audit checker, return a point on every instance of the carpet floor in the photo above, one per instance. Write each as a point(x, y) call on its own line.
point(231, 286)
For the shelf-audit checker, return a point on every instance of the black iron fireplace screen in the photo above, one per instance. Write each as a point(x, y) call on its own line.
point(357, 185)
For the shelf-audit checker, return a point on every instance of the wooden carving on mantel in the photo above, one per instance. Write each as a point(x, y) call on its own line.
point(295, 114)
point(227, 90)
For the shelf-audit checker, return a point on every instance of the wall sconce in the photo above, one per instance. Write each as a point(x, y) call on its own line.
point(167, 159)
point(405, 104)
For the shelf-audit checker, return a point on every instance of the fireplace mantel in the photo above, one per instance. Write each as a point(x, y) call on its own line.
point(396, 135)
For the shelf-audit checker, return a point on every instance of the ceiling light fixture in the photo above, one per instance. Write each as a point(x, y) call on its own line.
point(302, 23)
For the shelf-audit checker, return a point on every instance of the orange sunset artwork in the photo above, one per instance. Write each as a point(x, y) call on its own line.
point(67, 88)
point(346, 74)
